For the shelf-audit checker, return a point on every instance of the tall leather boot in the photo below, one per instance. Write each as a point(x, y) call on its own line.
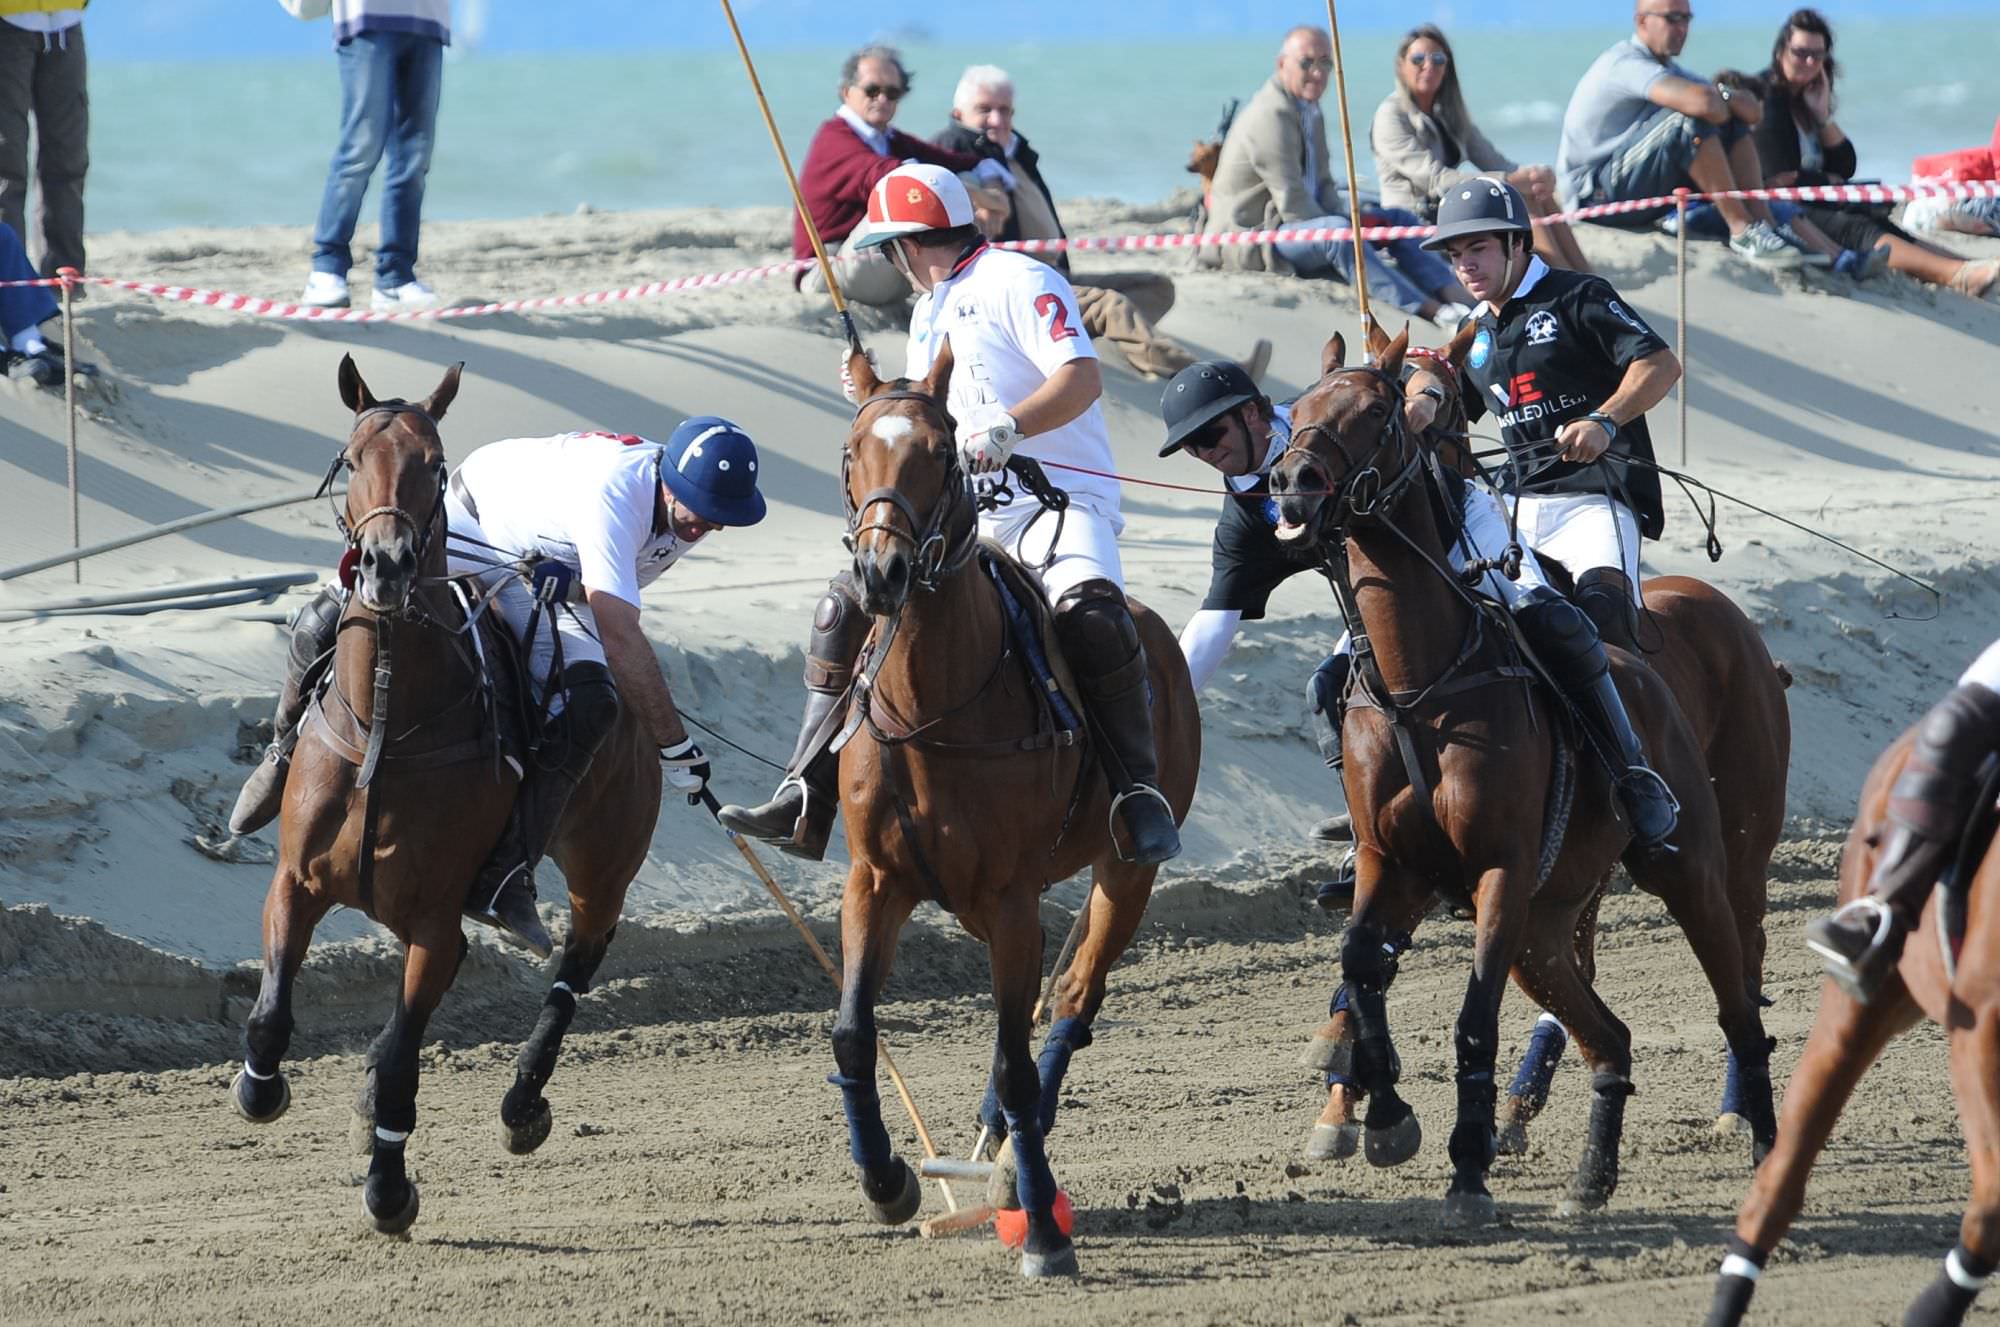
point(1102, 644)
point(799, 819)
point(313, 633)
point(1326, 697)
point(1928, 808)
point(1605, 596)
point(503, 895)
point(1568, 645)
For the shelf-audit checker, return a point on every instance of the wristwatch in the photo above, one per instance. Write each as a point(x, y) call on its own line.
point(1605, 422)
point(1723, 88)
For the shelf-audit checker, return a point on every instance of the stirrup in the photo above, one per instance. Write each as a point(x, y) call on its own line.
point(527, 932)
point(1643, 774)
point(1118, 805)
point(1852, 972)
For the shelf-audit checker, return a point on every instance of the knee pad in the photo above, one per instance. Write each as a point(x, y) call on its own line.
point(839, 626)
point(590, 704)
point(1093, 614)
point(316, 626)
point(1562, 637)
point(1605, 595)
point(1326, 692)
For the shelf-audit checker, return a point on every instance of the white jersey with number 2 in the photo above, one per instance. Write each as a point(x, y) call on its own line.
point(1012, 321)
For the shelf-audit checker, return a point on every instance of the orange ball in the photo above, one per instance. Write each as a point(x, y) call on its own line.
point(1011, 1224)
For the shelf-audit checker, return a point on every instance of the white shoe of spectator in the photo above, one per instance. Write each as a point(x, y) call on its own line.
point(406, 298)
point(1764, 246)
point(1811, 257)
point(1451, 316)
point(325, 290)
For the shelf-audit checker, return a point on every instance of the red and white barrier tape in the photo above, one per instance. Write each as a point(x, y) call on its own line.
point(266, 308)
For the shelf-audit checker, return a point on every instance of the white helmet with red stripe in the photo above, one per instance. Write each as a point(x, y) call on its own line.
point(914, 198)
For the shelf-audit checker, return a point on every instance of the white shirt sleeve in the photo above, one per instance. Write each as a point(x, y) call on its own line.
point(1205, 640)
point(608, 536)
point(1046, 323)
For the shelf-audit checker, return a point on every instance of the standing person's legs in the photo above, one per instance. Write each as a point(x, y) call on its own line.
point(22, 308)
point(365, 73)
point(18, 51)
point(418, 76)
point(62, 149)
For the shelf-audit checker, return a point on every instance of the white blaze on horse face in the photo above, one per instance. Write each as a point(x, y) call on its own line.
point(892, 429)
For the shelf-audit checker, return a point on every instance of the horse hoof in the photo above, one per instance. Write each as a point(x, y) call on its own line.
point(904, 1205)
point(243, 1087)
point(1059, 1261)
point(1396, 1144)
point(1729, 1124)
point(525, 1137)
point(1582, 1203)
point(395, 1223)
point(1465, 1210)
point(1324, 1056)
point(1512, 1140)
point(1003, 1189)
point(1333, 1142)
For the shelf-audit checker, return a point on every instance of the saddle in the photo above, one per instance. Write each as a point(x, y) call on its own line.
point(1031, 623)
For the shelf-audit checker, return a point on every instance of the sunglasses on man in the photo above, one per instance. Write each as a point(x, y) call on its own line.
point(874, 90)
point(1436, 58)
point(1320, 65)
point(1678, 18)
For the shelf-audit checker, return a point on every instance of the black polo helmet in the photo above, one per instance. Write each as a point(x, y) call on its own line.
point(1481, 205)
point(1200, 394)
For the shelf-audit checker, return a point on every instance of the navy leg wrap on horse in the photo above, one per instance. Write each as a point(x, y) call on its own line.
point(1036, 1185)
point(867, 1138)
point(1538, 1063)
point(1066, 1037)
point(991, 1117)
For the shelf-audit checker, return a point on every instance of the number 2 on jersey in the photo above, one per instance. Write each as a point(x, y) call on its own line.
point(1050, 306)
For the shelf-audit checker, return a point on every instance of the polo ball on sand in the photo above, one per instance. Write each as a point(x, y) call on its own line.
point(1012, 1225)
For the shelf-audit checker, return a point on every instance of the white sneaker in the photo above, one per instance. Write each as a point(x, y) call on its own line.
point(325, 290)
point(1451, 316)
point(1764, 246)
point(406, 298)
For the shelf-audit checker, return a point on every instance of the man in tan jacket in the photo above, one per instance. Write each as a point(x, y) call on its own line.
point(1276, 171)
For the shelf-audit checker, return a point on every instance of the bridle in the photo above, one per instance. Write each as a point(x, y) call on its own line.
point(1363, 491)
point(422, 531)
point(935, 551)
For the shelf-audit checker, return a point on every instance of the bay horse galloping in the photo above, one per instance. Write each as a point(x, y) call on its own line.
point(1465, 782)
point(955, 787)
point(397, 793)
point(1960, 994)
point(1733, 695)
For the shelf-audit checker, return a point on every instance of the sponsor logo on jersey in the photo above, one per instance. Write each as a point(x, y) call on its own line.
point(1482, 348)
point(1630, 319)
point(1542, 328)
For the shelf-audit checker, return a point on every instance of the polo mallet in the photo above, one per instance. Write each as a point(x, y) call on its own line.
point(798, 198)
point(833, 974)
point(1353, 185)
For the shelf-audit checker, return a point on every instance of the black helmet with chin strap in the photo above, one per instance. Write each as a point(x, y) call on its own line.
point(1481, 205)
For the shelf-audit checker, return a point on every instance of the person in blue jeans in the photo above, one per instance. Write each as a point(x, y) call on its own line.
point(391, 55)
point(1419, 283)
point(23, 309)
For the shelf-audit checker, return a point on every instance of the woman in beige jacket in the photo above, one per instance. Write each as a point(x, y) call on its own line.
point(1422, 132)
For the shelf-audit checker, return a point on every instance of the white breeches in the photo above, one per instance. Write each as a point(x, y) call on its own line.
point(1582, 531)
point(1086, 549)
point(516, 604)
point(1985, 670)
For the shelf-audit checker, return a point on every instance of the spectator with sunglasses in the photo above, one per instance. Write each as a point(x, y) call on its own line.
point(1423, 133)
point(855, 149)
point(1275, 171)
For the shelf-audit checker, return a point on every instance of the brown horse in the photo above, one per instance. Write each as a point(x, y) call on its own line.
point(952, 791)
point(1733, 695)
point(1848, 1036)
point(1454, 776)
point(398, 793)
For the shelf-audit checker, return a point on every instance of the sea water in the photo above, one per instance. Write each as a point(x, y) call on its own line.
point(246, 140)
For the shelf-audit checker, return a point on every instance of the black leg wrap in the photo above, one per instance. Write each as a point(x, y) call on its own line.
point(1947, 1300)
point(1736, 1283)
point(1597, 1171)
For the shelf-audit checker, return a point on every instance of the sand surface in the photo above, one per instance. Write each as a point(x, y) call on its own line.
point(721, 1187)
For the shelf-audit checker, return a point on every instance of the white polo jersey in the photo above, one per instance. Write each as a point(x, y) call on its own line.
point(583, 499)
point(1012, 321)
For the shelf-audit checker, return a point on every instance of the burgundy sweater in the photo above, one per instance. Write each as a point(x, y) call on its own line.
point(841, 170)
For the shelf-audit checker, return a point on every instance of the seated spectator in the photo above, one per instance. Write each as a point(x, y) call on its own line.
point(1118, 307)
point(1640, 125)
point(1423, 132)
point(853, 150)
point(1275, 172)
point(1799, 142)
point(23, 309)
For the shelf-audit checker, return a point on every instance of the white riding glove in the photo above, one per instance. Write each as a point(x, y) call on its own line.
point(685, 767)
point(987, 438)
point(847, 378)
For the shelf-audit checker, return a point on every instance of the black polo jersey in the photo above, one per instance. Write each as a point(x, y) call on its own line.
point(1556, 353)
point(1246, 560)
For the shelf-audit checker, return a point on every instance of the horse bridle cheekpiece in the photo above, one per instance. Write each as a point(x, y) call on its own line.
point(1363, 491)
point(342, 460)
point(932, 554)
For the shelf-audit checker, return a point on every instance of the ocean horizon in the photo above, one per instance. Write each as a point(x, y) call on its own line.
point(523, 133)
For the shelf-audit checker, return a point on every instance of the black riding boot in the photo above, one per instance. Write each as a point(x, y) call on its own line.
point(1326, 697)
point(1862, 942)
point(313, 634)
point(504, 894)
point(1102, 644)
point(800, 818)
point(1605, 596)
point(1568, 646)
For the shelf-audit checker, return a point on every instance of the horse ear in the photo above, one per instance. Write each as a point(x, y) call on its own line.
point(1378, 340)
point(1456, 349)
point(1390, 360)
point(866, 384)
point(938, 381)
point(447, 390)
point(1334, 356)
point(354, 393)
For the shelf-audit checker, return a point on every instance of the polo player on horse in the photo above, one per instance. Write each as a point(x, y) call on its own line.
point(1027, 380)
point(594, 518)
